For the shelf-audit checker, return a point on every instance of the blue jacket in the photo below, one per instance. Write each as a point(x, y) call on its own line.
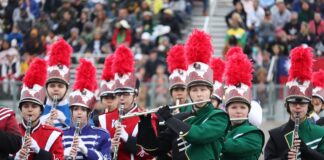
point(64, 113)
point(97, 140)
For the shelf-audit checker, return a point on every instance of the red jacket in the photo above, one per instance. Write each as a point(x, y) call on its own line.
point(316, 30)
point(49, 140)
point(127, 40)
point(8, 121)
point(108, 120)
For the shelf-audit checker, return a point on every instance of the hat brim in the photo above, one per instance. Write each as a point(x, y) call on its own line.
point(297, 99)
point(199, 83)
point(57, 80)
point(237, 99)
point(32, 101)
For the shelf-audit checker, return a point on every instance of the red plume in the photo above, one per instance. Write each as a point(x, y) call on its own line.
point(301, 64)
point(60, 53)
point(123, 60)
point(218, 67)
point(176, 58)
point(86, 76)
point(107, 73)
point(239, 70)
point(232, 51)
point(199, 47)
point(36, 73)
point(318, 79)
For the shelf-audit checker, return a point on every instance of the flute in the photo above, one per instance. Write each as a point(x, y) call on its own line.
point(156, 109)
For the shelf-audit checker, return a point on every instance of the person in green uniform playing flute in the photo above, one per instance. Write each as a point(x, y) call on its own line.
point(298, 138)
point(243, 141)
point(198, 134)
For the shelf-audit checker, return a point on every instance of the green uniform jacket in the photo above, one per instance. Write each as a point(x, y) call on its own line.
point(243, 142)
point(206, 135)
point(281, 138)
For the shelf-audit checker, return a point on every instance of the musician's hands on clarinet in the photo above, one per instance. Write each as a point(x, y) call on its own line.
point(164, 112)
point(293, 151)
point(53, 116)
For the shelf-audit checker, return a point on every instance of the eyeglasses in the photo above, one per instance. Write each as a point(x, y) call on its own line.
point(124, 94)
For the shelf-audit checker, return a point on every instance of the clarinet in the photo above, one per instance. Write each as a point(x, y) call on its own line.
point(75, 136)
point(295, 132)
point(53, 106)
point(27, 135)
point(120, 114)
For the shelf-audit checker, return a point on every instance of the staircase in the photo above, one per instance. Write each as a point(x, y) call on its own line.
point(217, 26)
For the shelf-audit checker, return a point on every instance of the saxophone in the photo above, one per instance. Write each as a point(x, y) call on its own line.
point(75, 137)
point(120, 114)
point(27, 135)
point(295, 133)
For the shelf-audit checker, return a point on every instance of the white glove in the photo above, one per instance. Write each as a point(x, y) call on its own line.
point(34, 146)
point(67, 151)
point(123, 134)
point(83, 148)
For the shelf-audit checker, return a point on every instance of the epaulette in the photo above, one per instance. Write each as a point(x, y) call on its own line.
point(101, 129)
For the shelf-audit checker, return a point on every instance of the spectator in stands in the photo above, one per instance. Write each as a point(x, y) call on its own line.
point(261, 91)
point(168, 19)
point(123, 15)
point(316, 26)
point(24, 21)
point(237, 31)
point(83, 18)
point(75, 40)
point(87, 32)
point(122, 34)
point(15, 34)
point(78, 5)
point(146, 43)
point(95, 46)
point(44, 23)
point(159, 87)
point(65, 25)
point(66, 7)
point(163, 47)
point(145, 7)
point(102, 24)
point(10, 69)
point(32, 43)
point(147, 22)
point(280, 15)
point(238, 9)
point(51, 6)
point(304, 36)
point(292, 28)
point(255, 16)
point(267, 30)
point(306, 14)
point(151, 64)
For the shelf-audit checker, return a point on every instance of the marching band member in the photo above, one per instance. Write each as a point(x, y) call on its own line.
point(197, 134)
point(298, 138)
point(9, 133)
point(243, 141)
point(107, 92)
point(57, 112)
point(40, 141)
point(126, 90)
point(83, 141)
point(218, 67)
point(177, 67)
point(318, 96)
